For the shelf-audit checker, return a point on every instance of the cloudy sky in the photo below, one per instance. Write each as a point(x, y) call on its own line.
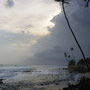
point(35, 31)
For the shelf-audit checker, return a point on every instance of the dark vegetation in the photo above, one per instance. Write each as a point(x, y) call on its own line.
point(71, 30)
point(82, 66)
point(84, 84)
point(74, 66)
point(79, 67)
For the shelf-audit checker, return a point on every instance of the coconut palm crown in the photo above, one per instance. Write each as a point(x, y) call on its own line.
point(87, 3)
point(63, 1)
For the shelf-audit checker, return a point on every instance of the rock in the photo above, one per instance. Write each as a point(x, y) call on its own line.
point(1, 81)
point(65, 88)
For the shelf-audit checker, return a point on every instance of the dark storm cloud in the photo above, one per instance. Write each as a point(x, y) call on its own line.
point(81, 23)
point(9, 3)
point(48, 57)
point(81, 16)
point(61, 39)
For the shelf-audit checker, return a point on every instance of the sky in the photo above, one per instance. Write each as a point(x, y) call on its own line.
point(34, 32)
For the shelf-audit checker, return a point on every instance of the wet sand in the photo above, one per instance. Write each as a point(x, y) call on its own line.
point(41, 82)
point(34, 78)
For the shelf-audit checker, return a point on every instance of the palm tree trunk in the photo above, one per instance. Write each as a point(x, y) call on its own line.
point(73, 55)
point(84, 58)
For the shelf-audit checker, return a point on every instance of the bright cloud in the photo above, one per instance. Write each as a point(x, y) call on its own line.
point(28, 16)
point(22, 24)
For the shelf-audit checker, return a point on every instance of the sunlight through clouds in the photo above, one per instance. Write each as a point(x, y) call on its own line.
point(22, 24)
point(29, 17)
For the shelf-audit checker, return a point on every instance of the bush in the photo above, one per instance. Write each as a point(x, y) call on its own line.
point(84, 84)
point(81, 69)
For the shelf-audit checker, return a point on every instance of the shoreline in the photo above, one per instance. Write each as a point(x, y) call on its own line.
point(37, 83)
point(36, 78)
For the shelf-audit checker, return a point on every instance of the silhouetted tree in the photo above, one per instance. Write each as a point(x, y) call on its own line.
point(81, 62)
point(65, 54)
point(89, 47)
point(87, 3)
point(72, 63)
point(72, 49)
point(67, 2)
point(69, 57)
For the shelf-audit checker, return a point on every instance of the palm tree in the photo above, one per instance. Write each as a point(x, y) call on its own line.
point(87, 3)
point(70, 28)
point(72, 49)
point(65, 54)
point(69, 57)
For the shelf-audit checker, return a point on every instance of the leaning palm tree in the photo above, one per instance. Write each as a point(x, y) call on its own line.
point(70, 28)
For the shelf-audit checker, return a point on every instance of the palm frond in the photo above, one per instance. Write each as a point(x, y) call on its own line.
point(87, 3)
